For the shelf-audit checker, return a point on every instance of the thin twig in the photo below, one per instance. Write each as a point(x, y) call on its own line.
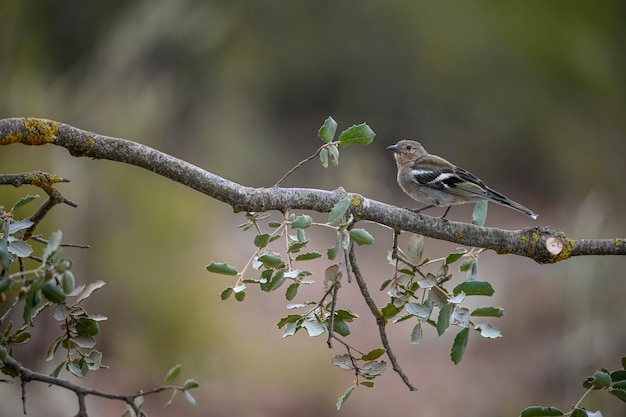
point(304, 161)
point(331, 319)
point(63, 245)
point(380, 319)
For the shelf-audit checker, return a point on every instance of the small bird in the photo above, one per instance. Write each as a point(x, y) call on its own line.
point(436, 182)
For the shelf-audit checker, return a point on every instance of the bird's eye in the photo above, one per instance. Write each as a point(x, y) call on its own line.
point(409, 147)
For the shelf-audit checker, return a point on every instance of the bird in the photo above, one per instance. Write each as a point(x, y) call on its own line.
point(434, 181)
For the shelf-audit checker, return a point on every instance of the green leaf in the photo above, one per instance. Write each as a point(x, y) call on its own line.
point(324, 157)
point(189, 398)
point(373, 354)
point(619, 375)
point(172, 374)
point(360, 134)
point(308, 256)
point(3, 352)
point(341, 327)
point(474, 288)
point(190, 384)
point(342, 400)
point(580, 412)
point(69, 283)
point(240, 296)
point(292, 291)
point(52, 246)
point(32, 301)
point(301, 222)
point(20, 248)
point(368, 384)
point(472, 274)
point(619, 393)
point(23, 201)
point(5, 260)
point(537, 411)
point(5, 283)
point(598, 380)
point(56, 371)
point(313, 327)
point(415, 248)
point(466, 265)
point(480, 213)
point(372, 369)
point(443, 321)
point(221, 268)
point(277, 280)
point(459, 345)
point(78, 368)
point(292, 318)
point(53, 293)
point(19, 225)
point(345, 315)
point(87, 290)
point(271, 260)
point(338, 210)
point(389, 311)
point(331, 253)
point(453, 257)
point(419, 310)
point(327, 131)
point(416, 333)
point(21, 338)
point(488, 312)
point(261, 241)
point(488, 331)
point(334, 155)
point(226, 293)
point(296, 246)
point(86, 326)
point(361, 237)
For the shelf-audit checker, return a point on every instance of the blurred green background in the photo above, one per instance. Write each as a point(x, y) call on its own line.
point(530, 96)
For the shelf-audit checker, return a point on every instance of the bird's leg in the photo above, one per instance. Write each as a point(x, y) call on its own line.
point(446, 213)
point(419, 210)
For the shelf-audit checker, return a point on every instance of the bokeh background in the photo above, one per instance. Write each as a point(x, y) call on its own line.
point(530, 96)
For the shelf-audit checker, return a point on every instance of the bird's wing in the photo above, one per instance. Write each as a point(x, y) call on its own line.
point(453, 180)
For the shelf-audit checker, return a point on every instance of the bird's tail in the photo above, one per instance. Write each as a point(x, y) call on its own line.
point(496, 197)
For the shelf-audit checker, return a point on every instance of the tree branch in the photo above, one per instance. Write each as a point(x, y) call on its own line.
point(26, 375)
point(544, 244)
point(380, 319)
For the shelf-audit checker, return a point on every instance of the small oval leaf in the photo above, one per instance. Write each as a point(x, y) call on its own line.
point(221, 268)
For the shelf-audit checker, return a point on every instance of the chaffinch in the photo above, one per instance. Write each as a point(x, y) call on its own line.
point(436, 182)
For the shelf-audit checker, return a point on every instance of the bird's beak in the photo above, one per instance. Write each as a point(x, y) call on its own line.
point(394, 148)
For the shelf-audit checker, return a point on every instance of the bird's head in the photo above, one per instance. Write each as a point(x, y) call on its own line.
point(407, 150)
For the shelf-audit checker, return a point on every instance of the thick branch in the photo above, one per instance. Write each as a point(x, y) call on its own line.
point(543, 244)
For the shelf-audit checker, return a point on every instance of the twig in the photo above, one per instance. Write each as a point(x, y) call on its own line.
point(26, 375)
point(331, 319)
point(63, 245)
point(304, 161)
point(380, 319)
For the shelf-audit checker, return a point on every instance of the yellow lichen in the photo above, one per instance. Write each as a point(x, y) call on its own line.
point(40, 131)
point(458, 235)
point(9, 139)
point(356, 201)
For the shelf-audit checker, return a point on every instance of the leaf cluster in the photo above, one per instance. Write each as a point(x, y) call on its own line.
point(613, 382)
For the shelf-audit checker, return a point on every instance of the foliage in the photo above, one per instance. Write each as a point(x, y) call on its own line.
point(50, 286)
point(614, 382)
